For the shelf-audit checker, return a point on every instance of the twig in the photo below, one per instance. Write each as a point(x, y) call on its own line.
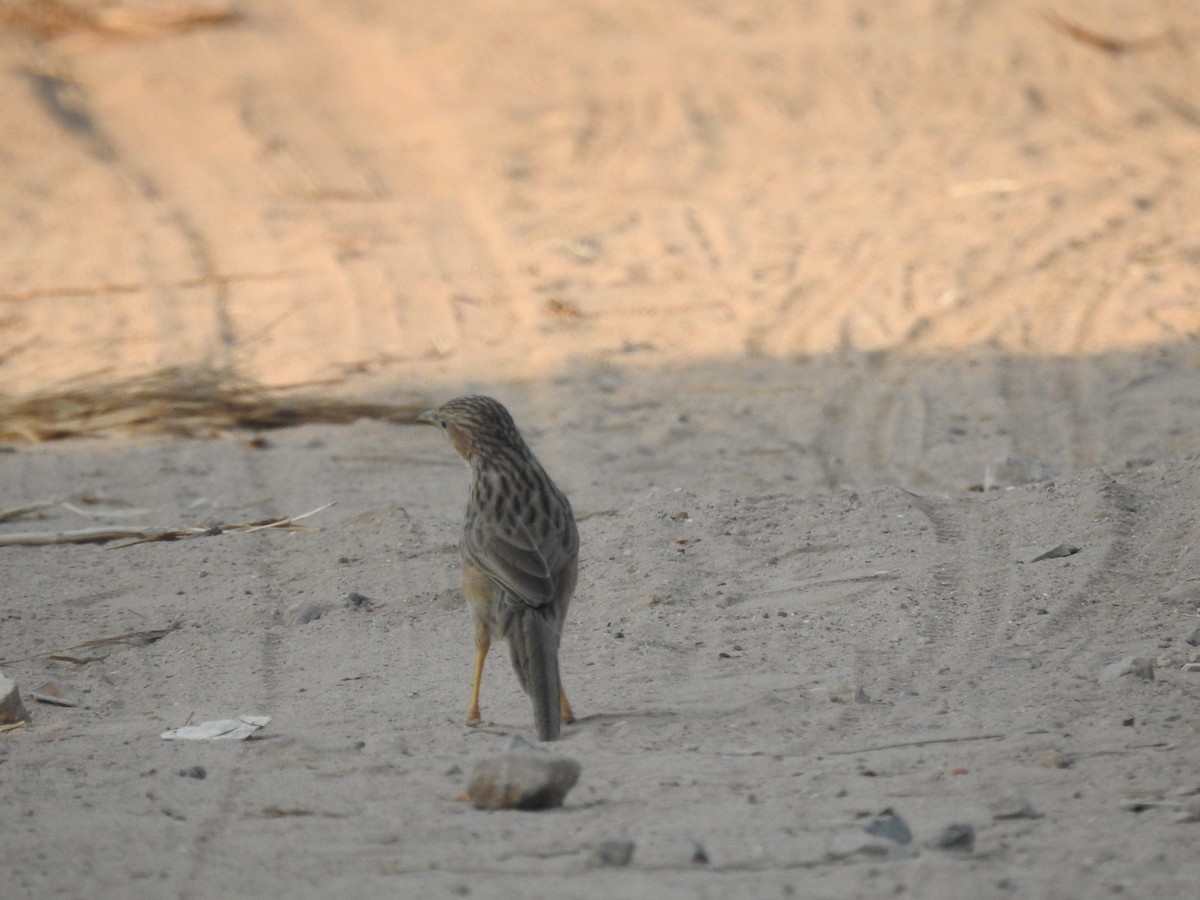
point(104, 290)
point(285, 522)
point(51, 699)
point(1104, 42)
point(17, 511)
point(282, 523)
point(69, 504)
point(103, 514)
point(132, 638)
point(81, 536)
point(924, 743)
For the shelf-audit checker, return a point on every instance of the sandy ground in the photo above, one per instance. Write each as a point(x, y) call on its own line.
point(830, 318)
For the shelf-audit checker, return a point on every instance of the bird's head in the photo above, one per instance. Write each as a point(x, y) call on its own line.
point(475, 426)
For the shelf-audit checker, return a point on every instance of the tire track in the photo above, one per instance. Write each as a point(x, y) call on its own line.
point(66, 103)
point(943, 585)
point(875, 425)
point(1051, 412)
point(1067, 623)
point(206, 849)
point(965, 608)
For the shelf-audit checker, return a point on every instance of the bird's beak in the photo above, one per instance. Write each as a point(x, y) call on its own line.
point(429, 417)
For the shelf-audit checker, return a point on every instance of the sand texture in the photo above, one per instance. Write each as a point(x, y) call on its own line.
point(864, 338)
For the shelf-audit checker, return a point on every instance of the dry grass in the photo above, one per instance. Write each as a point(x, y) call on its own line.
point(48, 19)
point(189, 402)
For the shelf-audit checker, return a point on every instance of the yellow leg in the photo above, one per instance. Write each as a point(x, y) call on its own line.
point(483, 642)
point(565, 707)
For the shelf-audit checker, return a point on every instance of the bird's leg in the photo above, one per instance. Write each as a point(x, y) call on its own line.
point(565, 707)
point(483, 642)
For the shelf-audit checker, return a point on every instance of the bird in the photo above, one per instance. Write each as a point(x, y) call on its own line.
point(520, 553)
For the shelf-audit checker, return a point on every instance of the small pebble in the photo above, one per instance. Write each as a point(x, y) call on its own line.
point(197, 772)
point(1186, 595)
point(1015, 808)
point(956, 838)
point(1058, 552)
point(514, 743)
point(1056, 760)
point(1190, 812)
point(890, 826)
point(613, 852)
point(851, 844)
point(1137, 666)
point(11, 708)
point(694, 852)
point(303, 613)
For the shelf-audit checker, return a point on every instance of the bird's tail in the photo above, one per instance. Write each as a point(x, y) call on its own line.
point(533, 645)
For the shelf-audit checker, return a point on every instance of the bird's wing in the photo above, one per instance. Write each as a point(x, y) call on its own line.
point(508, 553)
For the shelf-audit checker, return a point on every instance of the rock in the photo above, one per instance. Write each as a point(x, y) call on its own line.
point(1057, 760)
point(1014, 808)
point(1190, 812)
point(49, 693)
point(522, 777)
point(11, 708)
point(1057, 553)
point(355, 600)
point(1194, 638)
point(891, 827)
point(849, 844)
point(303, 613)
point(514, 743)
point(957, 838)
point(1013, 470)
point(1138, 666)
point(1186, 595)
point(694, 852)
point(197, 772)
point(614, 852)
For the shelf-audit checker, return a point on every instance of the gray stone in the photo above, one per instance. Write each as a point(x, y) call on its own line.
point(1137, 666)
point(694, 852)
point(614, 852)
point(303, 613)
point(11, 708)
point(1059, 552)
point(524, 779)
point(956, 838)
point(514, 743)
point(851, 844)
point(1186, 595)
point(1014, 808)
point(891, 827)
point(355, 600)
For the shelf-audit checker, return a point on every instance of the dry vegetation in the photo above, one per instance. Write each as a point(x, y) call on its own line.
point(184, 401)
